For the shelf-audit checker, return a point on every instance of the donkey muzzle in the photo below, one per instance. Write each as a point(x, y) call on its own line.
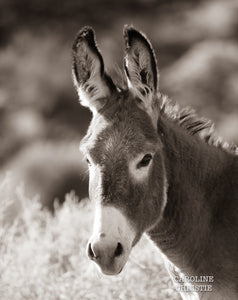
point(111, 242)
point(108, 254)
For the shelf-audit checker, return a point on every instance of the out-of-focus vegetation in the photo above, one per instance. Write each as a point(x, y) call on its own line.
point(41, 124)
point(196, 43)
point(43, 257)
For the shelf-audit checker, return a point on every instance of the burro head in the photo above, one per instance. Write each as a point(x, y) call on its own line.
point(124, 152)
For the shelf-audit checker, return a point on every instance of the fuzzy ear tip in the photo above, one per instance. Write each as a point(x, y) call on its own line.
point(127, 28)
point(132, 34)
point(86, 33)
point(129, 31)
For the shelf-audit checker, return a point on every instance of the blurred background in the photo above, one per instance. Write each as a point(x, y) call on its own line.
point(41, 122)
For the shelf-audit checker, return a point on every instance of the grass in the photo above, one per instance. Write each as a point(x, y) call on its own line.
point(43, 256)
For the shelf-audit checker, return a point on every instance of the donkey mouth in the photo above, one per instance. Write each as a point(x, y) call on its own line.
point(111, 265)
point(112, 269)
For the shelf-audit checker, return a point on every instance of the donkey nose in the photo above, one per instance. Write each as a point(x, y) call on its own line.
point(103, 249)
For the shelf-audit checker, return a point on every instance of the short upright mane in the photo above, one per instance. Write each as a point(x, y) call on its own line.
point(195, 125)
point(184, 117)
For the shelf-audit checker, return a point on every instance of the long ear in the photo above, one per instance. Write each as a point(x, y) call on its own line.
point(93, 85)
point(140, 66)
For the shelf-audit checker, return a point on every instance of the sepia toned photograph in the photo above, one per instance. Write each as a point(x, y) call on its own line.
point(119, 150)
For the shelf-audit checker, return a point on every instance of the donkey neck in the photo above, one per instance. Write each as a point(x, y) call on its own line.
point(194, 171)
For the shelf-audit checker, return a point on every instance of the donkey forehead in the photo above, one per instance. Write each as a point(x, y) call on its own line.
point(118, 132)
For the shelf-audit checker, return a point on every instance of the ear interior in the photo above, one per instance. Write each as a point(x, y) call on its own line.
point(140, 64)
point(93, 85)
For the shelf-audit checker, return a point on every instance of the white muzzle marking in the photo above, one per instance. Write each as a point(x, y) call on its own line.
point(112, 223)
point(112, 239)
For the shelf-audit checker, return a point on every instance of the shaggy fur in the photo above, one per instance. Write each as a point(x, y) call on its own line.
point(195, 125)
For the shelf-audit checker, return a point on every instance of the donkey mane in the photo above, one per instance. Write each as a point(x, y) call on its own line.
point(186, 117)
point(195, 125)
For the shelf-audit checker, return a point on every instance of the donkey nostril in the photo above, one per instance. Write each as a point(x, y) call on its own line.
point(118, 250)
point(91, 254)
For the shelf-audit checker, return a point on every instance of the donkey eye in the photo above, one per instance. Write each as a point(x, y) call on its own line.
point(145, 161)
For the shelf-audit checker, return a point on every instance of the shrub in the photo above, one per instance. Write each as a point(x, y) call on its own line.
point(43, 256)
